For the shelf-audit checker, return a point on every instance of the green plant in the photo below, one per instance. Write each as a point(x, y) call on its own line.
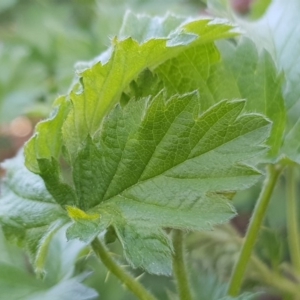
point(154, 140)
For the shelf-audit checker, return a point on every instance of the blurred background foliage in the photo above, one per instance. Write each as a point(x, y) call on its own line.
point(42, 40)
point(40, 43)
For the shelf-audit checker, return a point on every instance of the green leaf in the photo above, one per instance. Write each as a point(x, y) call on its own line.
point(40, 147)
point(277, 31)
point(61, 257)
point(104, 82)
point(239, 72)
point(161, 166)
point(199, 69)
point(17, 280)
point(139, 236)
point(25, 202)
point(280, 40)
point(147, 152)
point(257, 80)
point(85, 226)
point(28, 213)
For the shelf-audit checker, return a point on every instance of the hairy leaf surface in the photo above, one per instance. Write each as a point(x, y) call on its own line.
point(137, 147)
point(164, 164)
point(101, 85)
point(239, 71)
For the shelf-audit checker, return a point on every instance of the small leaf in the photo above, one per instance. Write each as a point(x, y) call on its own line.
point(86, 227)
point(138, 238)
point(79, 215)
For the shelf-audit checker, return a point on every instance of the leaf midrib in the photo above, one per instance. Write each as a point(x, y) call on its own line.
point(160, 174)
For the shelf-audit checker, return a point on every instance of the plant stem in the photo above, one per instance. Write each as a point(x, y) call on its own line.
point(179, 267)
point(253, 229)
point(292, 219)
point(133, 285)
point(287, 284)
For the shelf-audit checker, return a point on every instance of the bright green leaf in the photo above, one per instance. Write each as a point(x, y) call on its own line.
point(104, 82)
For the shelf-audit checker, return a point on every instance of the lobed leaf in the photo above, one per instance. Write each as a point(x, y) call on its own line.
point(136, 151)
point(256, 78)
point(161, 165)
point(104, 82)
point(276, 31)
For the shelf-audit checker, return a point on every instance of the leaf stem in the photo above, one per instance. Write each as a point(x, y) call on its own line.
point(133, 285)
point(179, 267)
point(253, 230)
point(292, 219)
